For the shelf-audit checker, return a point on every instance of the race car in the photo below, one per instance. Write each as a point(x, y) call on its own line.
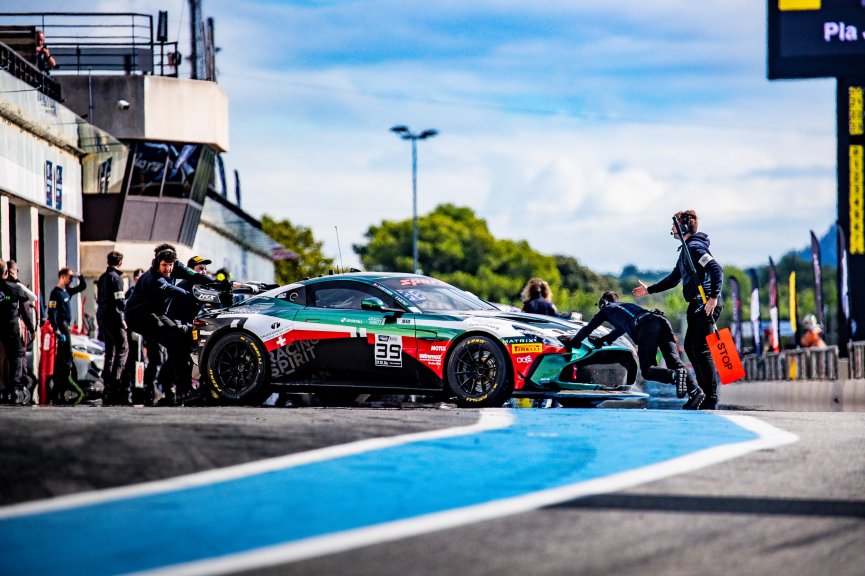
point(347, 334)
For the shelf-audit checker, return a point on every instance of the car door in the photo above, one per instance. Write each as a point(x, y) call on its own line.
point(354, 346)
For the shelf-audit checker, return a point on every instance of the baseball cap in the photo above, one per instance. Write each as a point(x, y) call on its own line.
point(197, 261)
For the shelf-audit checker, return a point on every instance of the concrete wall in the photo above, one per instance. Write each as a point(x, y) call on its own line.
point(797, 395)
point(163, 109)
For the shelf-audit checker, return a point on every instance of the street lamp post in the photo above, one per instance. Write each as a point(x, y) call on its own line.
point(406, 134)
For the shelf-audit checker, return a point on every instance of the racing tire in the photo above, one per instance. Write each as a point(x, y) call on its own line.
point(237, 369)
point(477, 373)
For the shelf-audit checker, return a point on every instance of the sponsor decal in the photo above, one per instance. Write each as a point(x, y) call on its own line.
point(527, 348)
point(405, 320)
point(275, 325)
point(524, 359)
point(417, 281)
point(388, 350)
point(195, 334)
point(438, 348)
point(206, 297)
point(351, 321)
point(287, 359)
point(262, 305)
point(413, 295)
point(377, 321)
point(431, 359)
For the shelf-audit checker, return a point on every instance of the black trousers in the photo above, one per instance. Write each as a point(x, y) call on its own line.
point(178, 368)
point(116, 350)
point(63, 378)
point(16, 357)
point(697, 349)
point(653, 334)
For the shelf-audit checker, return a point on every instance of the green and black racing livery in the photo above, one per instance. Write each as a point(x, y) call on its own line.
point(346, 334)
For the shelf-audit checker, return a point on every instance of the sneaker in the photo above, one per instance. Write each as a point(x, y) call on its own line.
point(695, 398)
point(680, 379)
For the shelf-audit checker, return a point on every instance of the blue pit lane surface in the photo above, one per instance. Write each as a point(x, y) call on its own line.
point(296, 508)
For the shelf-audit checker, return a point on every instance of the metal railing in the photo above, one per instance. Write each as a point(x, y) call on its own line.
point(856, 351)
point(16, 65)
point(798, 364)
point(101, 42)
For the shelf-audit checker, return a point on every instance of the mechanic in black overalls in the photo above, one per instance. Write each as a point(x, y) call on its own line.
point(710, 276)
point(650, 331)
point(185, 308)
point(60, 317)
point(112, 325)
point(145, 314)
point(12, 298)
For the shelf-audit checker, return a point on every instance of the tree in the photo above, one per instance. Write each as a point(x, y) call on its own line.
point(299, 239)
point(456, 246)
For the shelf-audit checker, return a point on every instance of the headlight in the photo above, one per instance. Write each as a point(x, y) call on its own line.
point(538, 336)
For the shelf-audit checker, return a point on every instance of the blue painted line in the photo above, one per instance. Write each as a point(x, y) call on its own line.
point(544, 449)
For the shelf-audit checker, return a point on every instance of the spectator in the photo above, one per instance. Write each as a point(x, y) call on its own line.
point(44, 60)
point(812, 337)
point(536, 298)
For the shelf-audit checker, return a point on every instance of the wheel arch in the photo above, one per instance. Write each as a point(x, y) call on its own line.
point(465, 336)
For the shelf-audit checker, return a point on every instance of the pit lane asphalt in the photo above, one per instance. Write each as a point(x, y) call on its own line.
point(797, 509)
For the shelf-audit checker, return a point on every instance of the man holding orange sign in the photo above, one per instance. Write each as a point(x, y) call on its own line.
point(698, 271)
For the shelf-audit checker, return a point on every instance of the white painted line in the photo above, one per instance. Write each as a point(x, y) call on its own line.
point(489, 420)
point(769, 437)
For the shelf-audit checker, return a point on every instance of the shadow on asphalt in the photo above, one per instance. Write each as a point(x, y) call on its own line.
point(722, 505)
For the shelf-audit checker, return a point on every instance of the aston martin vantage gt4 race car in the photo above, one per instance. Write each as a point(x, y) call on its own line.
point(342, 335)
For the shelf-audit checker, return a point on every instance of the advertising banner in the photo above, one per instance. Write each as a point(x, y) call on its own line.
point(755, 312)
point(817, 265)
point(737, 312)
point(773, 307)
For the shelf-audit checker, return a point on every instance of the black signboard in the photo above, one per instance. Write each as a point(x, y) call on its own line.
point(816, 38)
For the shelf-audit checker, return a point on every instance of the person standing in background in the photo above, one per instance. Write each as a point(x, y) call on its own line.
point(60, 317)
point(536, 297)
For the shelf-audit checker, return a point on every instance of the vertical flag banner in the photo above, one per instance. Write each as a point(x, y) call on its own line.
point(58, 188)
point(755, 312)
point(817, 264)
point(843, 288)
point(794, 306)
point(737, 312)
point(773, 306)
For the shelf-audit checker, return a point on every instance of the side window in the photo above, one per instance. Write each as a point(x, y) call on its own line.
point(347, 295)
point(296, 295)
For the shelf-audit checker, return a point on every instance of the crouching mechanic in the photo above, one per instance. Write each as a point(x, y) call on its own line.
point(145, 314)
point(650, 331)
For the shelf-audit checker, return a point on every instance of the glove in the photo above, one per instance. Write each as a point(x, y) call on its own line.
point(597, 341)
point(61, 337)
point(568, 342)
point(252, 288)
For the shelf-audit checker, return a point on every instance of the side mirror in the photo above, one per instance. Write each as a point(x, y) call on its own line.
point(372, 304)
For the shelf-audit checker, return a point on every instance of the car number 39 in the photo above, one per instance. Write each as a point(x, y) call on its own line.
point(388, 350)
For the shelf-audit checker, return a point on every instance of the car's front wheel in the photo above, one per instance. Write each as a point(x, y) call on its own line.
point(477, 373)
point(237, 369)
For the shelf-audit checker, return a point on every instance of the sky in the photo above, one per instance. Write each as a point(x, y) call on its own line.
point(577, 125)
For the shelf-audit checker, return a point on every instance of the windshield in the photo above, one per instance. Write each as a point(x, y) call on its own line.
point(431, 295)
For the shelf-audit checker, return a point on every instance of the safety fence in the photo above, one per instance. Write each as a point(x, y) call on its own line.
point(857, 359)
point(798, 364)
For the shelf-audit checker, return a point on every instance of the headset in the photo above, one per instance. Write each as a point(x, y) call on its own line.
point(684, 223)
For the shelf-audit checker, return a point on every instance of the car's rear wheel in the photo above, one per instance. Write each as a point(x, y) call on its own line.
point(477, 373)
point(237, 369)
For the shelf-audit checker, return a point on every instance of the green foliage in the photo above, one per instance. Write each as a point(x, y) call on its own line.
point(456, 246)
point(298, 239)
